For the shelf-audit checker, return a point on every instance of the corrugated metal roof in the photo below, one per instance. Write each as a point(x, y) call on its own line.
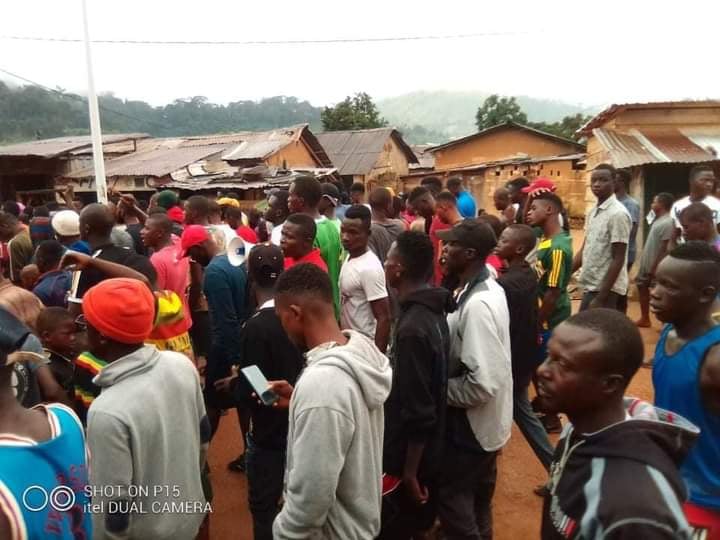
point(426, 160)
point(48, 148)
point(155, 162)
point(357, 152)
point(505, 125)
point(613, 110)
point(638, 147)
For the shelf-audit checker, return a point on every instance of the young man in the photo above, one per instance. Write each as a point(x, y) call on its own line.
point(614, 473)
point(42, 451)
point(58, 334)
point(502, 203)
point(198, 212)
point(297, 242)
point(702, 186)
point(520, 283)
point(622, 185)
point(40, 228)
point(465, 202)
point(357, 193)
point(226, 290)
point(96, 226)
point(479, 416)
point(264, 343)
point(335, 436)
point(66, 224)
point(19, 245)
point(603, 257)
point(54, 284)
point(329, 203)
point(698, 224)
point(446, 208)
point(130, 442)
point(384, 230)
point(415, 410)
point(422, 201)
point(304, 198)
point(277, 212)
point(173, 271)
point(518, 197)
point(655, 248)
point(364, 302)
point(686, 369)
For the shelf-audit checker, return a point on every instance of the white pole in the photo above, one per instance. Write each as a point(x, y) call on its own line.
point(95, 131)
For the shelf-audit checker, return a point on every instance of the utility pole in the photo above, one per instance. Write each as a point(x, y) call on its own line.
point(95, 131)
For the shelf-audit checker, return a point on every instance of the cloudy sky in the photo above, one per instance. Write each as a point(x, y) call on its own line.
point(592, 53)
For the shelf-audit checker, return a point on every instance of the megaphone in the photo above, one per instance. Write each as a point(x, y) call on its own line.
point(237, 250)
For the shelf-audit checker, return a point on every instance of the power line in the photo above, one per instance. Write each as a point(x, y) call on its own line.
point(272, 42)
point(77, 98)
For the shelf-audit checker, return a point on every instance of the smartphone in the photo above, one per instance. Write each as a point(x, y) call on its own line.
point(260, 384)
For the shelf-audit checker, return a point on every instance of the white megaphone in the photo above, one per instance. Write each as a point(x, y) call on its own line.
point(237, 250)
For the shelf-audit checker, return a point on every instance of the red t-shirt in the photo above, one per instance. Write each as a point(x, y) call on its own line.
point(313, 257)
point(435, 226)
point(247, 234)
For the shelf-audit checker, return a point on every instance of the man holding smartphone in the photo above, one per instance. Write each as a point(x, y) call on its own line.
point(265, 345)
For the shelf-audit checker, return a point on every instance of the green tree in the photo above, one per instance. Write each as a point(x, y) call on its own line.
point(354, 112)
point(498, 110)
point(567, 127)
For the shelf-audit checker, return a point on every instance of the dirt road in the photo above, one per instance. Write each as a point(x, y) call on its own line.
point(516, 509)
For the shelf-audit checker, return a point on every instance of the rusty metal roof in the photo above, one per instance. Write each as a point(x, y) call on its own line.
point(49, 148)
point(638, 147)
point(154, 162)
point(357, 152)
point(426, 160)
point(506, 125)
point(613, 110)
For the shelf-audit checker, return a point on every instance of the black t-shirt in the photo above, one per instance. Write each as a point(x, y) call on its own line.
point(63, 370)
point(134, 231)
point(264, 343)
point(90, 277)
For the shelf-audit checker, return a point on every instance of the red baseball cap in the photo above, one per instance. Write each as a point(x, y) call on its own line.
point(540, 184)
point(193, 235)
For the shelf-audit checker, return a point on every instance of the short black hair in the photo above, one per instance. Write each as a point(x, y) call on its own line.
point(550, 197)
point(309, 189)
point(282, 195)
point(232, 212)
point(11, 207)
point(8, 220)
point(380, 198)
point(607, 167)
point(446, 196)
point(48, 255)
point(705, 255)
point(623, 350)
point(357, 187)
point(454, 182)
point(493, 222)
point(418, 192)
point(516, 184)
point(433, 183)
point(624, 176)
point(526, 236)
point(665, 199)
point(41, 211)
point(361, 212)
point(164, 223)
point(157, 211)
point(416, 251)
point(305, 279)
point(306, 224)
point(697, 212)
point(698, 169)
point(199, 204)
point(50, 317)
point(215, 208)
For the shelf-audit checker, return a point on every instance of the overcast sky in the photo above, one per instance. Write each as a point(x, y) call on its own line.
point(592, 53)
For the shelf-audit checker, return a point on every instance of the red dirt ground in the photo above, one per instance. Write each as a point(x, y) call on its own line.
point(516, 508)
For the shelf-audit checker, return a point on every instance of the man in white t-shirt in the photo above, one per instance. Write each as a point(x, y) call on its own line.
point(702, 185)
point(363, 296)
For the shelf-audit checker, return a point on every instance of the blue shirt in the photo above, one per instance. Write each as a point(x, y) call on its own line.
point(677, 388)
point(82, 246)
point(52, 288)
point(633, 208)
point(32, 474)
point(466, 205)
point(225, 287)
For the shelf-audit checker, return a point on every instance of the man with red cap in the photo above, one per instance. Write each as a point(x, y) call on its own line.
point(148, 430)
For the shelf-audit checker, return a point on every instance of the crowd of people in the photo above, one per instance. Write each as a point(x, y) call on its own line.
point(400, 337)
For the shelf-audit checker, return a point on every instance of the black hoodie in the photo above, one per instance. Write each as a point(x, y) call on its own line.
point(415, 409)
point(621, 482)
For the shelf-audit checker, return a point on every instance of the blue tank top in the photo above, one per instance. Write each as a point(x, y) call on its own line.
point(42, 485)
point(676, 379)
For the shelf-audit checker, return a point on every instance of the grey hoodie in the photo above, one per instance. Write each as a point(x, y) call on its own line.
point(335, 440)
point(148, 430)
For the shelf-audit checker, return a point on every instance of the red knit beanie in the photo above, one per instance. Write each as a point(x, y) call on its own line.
point(121, 309)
